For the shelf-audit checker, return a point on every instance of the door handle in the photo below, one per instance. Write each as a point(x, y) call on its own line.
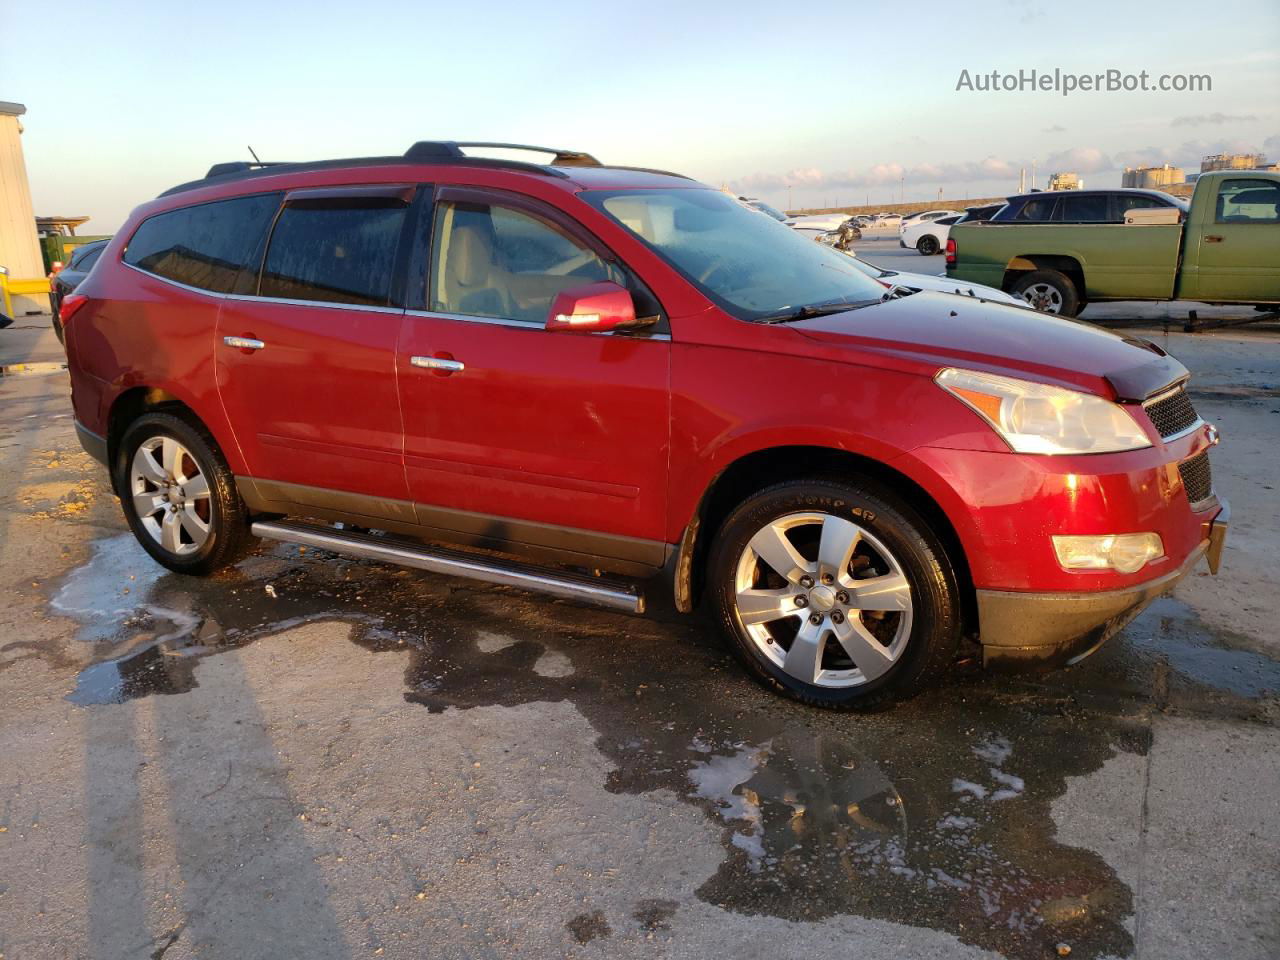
point(243, 343)
point(438, 363)
point(1212, 239)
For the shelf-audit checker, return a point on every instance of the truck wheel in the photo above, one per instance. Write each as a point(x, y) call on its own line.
point(928, 245)
point(179, 496)
point(834, 593)
point(1049, 291)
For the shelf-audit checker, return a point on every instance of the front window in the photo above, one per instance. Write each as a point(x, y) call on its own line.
point(496, 261)
point(753, 267)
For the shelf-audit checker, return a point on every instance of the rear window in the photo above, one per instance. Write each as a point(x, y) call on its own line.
point(204, 246)
point(334, 252)
point(1085, 208)
point(1037, 209)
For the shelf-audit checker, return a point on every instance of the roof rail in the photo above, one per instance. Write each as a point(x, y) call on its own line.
point(439, 149)
point(424, 151)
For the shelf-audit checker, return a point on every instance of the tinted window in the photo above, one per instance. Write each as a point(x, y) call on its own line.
point(1084, 208)
point(948, 221)
point(1136, 201)
point(1037, 209)
point(202, 246)
point(88, 259)
point(334, 252)
point(1248, 201)
point(495, 261)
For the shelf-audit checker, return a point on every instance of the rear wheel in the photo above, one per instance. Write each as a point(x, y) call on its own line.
point(928, 245)
point(835, 594)
point(179, 496)
point(1049, 291)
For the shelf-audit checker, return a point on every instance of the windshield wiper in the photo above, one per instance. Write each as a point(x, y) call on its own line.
point(813, 310)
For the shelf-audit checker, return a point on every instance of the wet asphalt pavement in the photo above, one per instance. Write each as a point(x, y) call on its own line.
point(316, 757)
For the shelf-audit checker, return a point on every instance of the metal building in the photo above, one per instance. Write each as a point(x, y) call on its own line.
point(19, 248)
point(1065, 181)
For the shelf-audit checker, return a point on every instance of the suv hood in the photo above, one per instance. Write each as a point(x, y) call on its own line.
point(945, 330)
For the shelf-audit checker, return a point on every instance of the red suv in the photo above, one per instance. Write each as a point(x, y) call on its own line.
point(606, 383)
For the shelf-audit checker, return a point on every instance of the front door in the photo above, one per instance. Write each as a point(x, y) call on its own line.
point(556, 439)
point(306, 362)
point(1237, 254)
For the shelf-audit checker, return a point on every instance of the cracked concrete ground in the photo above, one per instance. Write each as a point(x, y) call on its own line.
point(366, 761)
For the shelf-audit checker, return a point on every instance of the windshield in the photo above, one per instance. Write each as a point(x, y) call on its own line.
point(751, 266)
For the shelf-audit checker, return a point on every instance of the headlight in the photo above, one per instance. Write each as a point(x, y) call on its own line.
point(1124, 552)
point(1038, 418)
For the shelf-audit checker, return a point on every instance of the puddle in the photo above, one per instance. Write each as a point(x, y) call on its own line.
point(1170, 630)
point(31, 369)
point(934, 814)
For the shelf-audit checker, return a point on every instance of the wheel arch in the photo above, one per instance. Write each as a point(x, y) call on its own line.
point(764, 467)
point(1068, 264)
point(135, 401)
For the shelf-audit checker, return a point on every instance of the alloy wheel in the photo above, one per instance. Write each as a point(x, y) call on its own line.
point(823, 599)
point(171, 495)
point(1045, 297)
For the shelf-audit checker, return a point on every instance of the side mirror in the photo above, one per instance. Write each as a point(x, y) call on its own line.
point(594, 308)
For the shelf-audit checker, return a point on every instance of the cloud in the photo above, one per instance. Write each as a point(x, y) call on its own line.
point(1079, 160)
point(1054, 129)
point(1215, 119)
point(879, 175)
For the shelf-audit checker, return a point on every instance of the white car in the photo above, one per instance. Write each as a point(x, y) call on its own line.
point(924, 281)
point(928, 236)
point(826, 222)
point(914, 219)
point(881, 225)
point(761, 207)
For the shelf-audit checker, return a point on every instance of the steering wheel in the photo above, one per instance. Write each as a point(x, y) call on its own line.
point(716, 267)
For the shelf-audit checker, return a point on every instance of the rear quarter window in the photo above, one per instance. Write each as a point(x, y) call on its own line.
point(203, 246)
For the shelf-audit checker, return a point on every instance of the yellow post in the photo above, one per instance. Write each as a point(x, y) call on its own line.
point(4, 291)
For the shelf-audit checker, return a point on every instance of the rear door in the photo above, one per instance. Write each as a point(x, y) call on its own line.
point(306, 356)
point(1236, 253)
point(544, 438)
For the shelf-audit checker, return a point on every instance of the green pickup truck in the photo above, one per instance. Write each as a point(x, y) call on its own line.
point(1062, 250)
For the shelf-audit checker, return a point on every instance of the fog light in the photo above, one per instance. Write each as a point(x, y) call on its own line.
point(1122, 552)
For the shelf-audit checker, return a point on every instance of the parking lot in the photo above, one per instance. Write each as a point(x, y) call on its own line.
point(324, 758)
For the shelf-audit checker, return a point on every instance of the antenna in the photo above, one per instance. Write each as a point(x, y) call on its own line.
point(254, 155)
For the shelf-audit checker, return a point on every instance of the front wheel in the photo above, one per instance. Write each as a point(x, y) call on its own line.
point(179, 495)
point(835, 594)
point(1049, 291)
point(928, 245)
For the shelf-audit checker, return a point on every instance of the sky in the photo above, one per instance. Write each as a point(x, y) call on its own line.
point(810, 104)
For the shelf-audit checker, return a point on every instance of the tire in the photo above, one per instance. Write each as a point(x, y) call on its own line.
point(900, 650)
point(1049, 291)
point(928, 245)
point(177, 454)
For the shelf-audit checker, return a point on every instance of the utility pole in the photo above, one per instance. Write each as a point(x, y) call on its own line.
point(902, 188)
point(789, 205)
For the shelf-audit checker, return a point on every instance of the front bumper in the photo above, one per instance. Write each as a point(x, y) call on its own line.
point(1051, 629)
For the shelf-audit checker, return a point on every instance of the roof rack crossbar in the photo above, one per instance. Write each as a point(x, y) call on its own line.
point(453, 148)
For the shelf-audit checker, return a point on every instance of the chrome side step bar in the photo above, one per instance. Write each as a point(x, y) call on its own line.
point(603, 593)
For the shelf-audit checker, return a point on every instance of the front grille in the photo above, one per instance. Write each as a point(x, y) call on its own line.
point(1172, 413)
point(1197, 477)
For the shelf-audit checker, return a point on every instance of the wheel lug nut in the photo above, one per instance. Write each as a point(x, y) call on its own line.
point(806, 581)
point(815, 618)
point(802, 601)
point(842, 597)
point(828, 579)
point(837, 616)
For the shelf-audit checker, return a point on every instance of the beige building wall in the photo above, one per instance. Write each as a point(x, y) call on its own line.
point(19, 248)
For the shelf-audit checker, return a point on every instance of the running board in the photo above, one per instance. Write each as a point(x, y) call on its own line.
point(601, 593)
